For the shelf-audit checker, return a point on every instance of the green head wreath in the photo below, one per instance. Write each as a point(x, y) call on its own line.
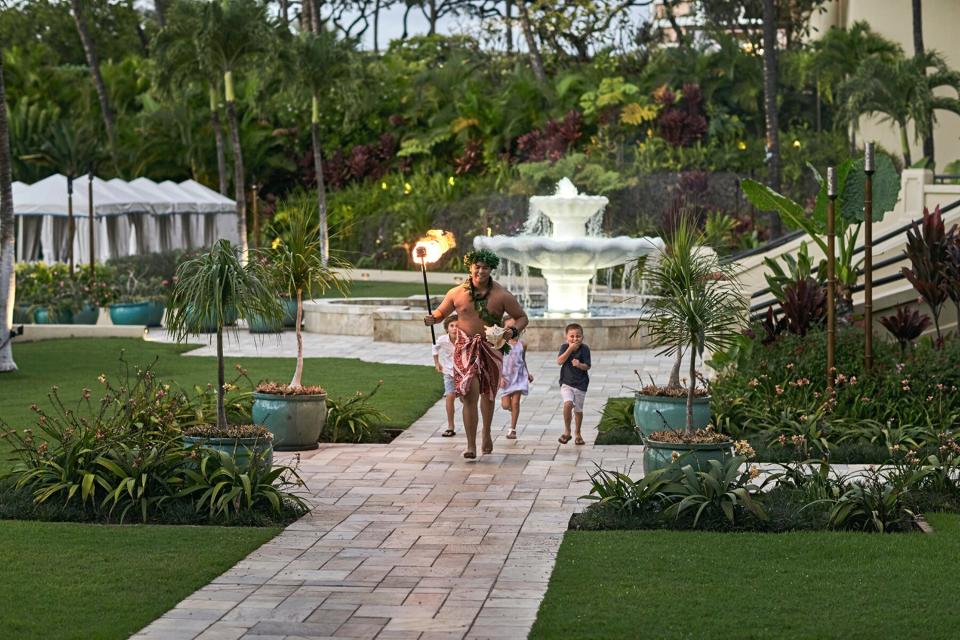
point(485, 256)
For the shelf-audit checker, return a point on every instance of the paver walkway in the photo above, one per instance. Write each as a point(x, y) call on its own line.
point(409, 540)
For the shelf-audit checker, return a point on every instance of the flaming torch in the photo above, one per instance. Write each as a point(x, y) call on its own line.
point(430, 248)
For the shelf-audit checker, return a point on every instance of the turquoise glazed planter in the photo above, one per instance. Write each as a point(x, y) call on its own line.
point(296, 422)
point(256, 324)
point(289, 312)
point(659, 455)
point(55, 316)
point(87, 315)
point(130, 313)
point(659, 413)
point(209, 326)
point(155, 314)
point(243, 450)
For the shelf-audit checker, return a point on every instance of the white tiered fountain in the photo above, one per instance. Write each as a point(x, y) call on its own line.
point(570, 257)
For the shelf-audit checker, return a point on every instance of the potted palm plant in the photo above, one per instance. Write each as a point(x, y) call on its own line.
point(208, 289)
point(296, 413)
point(699, 307)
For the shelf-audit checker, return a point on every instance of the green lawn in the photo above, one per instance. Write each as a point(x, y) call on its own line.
point(96, 582)
point(93, 581)
point(408, 390)
point(380, 289)
point(673, 584)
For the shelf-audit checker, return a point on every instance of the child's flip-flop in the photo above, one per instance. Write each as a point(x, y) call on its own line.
point(449, 433)
point(512, 434)
point(579, 440)
point(564, 439)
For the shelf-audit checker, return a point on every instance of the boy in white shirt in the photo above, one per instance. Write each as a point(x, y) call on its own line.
point(443, 361)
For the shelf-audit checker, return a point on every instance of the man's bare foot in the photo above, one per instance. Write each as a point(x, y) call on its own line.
point(469, 455)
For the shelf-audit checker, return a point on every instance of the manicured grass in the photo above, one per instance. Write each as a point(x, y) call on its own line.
point(93, 581)
point(671, 584)
point(408, 390)
point(380, 289)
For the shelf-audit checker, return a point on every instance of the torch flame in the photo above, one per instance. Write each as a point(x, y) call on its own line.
point(432, 246)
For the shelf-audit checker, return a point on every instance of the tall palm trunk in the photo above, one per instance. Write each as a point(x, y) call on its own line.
point(508, 23)
point(218, 136)
point(7, 277)
point(298, 374)
point(905, 144)
point(770, 104)
point(93, 61)
point(160, 7)
point(284, 14)
point(221, 409)
point(376, 27)
point(321, 184)
point(918, 50)
point(239, 186)
point(691, 390)
point(674, 381)
point(536, 61)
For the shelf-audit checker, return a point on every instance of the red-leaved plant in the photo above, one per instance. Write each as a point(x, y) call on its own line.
point(906, 326)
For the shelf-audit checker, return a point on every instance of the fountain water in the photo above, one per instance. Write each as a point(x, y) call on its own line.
point(573, 252)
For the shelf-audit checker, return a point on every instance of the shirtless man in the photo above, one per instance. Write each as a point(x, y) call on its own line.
point(479, 303)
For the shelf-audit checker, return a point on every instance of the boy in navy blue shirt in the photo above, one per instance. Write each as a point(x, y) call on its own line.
point(574, 361)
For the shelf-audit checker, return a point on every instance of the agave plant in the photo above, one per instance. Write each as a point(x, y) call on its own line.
point(927, 251)
point(906, 326)
point(212, 286)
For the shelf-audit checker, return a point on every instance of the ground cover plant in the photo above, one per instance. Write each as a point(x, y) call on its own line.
point(629, 584)
point(64, 580)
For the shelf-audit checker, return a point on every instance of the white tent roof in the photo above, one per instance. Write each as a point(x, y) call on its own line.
point(115, 197)
point(222, 203)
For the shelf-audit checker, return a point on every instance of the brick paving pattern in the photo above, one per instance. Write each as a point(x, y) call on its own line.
point(409, 540)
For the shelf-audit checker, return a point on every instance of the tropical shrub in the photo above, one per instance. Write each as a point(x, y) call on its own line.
point(353, 418)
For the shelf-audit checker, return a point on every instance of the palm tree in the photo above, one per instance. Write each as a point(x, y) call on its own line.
point(93, 62)
point(770, 104)
point(838, 55)
point(536, 60)
point(901, 91)
point(699, 306)
point(301, 265)
point(233, 32)
point(213, 286)
point(320, 59)
point(7, 276)
point(181, 58)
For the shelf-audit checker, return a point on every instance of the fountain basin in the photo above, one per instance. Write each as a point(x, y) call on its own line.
point(401, 320)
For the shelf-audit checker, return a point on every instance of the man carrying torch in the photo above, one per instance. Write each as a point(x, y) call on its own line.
point(480, 304)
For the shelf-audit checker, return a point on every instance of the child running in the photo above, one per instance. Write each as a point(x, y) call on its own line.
point(443, 361)
point(574, 361)
point(515, 381)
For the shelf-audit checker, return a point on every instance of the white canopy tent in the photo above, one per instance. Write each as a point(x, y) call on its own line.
point(139, 216)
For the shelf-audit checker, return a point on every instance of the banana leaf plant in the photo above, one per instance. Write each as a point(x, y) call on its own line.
point(214, 286)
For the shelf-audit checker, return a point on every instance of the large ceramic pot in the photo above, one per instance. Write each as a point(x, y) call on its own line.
point(155, 314)
point(289, 312)
point(243, 450)
point(44, 315)
point(130, 313)
point(209, 326)
point(296, 421)
point(87, 315)
point(256, 324)
point(659, 455)
point(659, 413)
point(22, 315)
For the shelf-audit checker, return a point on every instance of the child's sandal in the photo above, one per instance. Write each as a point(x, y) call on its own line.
point(564, 439)
point(512, 434)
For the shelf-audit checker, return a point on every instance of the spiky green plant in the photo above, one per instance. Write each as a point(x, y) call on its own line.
point(300, 265)
point(698, 306)
point(214, 285)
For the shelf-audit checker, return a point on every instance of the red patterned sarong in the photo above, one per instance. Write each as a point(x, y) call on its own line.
point(474, 357)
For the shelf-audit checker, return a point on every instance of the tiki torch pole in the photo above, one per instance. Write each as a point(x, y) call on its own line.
point(831, 273)
point(70, 222)
point(90, 221)
point(868, 169)
point(422, 255)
